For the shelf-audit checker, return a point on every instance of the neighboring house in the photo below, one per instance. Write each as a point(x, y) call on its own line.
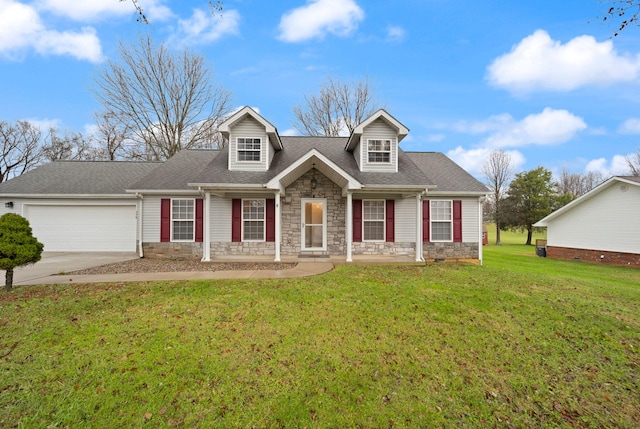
point(602, 225)
point(262, 195)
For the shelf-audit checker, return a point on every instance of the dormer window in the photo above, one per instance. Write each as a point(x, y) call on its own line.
point(379, 151)
point(249, 149)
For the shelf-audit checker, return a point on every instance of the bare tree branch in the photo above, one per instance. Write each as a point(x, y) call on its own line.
point(625, 12)
point(497, 171)
point(165, 99)
point(633, 162)
point(215, 6)
point(19, 148)
point(337, 110)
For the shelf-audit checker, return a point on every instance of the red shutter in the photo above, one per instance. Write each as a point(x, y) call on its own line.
point(165, 220)
point(199, 222)
point(425, 221)
point(271, 221)
point(457, 221)
point(236, 220)
point(390, 222)
point(357, 220)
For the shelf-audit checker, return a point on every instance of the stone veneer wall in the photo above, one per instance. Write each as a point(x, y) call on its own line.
point(383, 248)
point(595, 256)
point(246, 248)
point(172, 250)
point(450, 251)
point(291, 210)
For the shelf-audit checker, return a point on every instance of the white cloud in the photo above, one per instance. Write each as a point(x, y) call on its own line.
point(45, 124)
point(434, 138)
point(616, 166)
point(203, 27)
point(395, 33)
point(318, 18)
point(472, 160)
point(540, 63)
point(290, 132)
point(89, 10)
point(630, 126)
point(549, 127)
point(21, 28)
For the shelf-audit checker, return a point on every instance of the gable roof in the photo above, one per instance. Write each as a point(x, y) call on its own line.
point(355, 136)
point(272, 132)
point(448, 176)
point(628, 180)
point(78, 178)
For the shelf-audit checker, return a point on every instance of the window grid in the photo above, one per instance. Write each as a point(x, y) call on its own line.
point(249, 149)
point(182, 220)
point(253, 220)
point(373, 218)
point(441, 221)
point(379, 151)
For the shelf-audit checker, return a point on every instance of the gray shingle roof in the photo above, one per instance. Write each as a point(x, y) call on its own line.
point(446, 174)
point(79, 177)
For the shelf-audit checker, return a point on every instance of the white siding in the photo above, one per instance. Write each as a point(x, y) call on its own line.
point(357, 153)
point(248, 128)
point(405, 220)
point(608, 221)
point(470, 220)
point(220, 219)
point(379, 130)
point(151, 219)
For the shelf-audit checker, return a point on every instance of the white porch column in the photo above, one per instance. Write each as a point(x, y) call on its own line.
point(348, 223)
point(419, 257)
point(206, 219)
point(278, 227)
point(480, 242)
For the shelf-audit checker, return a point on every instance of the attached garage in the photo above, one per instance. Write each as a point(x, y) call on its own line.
point(84, 228)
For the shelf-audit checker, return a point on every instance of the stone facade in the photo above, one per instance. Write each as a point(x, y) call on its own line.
point(450, 251)
point(384, 248)
point(246, 248)
point(292, 214)
point(172, 250)
point(595, 256)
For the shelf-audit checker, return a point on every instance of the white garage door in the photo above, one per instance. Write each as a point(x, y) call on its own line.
point(84, 228)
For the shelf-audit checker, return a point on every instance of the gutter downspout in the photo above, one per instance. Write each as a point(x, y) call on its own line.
point(140, 223)
point(419, 226)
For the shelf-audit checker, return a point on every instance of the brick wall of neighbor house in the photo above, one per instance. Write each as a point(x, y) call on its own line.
point(450, 251)
point(292, 214)
point(172, 250)
point(594, 256)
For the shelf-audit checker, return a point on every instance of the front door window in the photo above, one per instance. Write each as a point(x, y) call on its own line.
point(314, 218)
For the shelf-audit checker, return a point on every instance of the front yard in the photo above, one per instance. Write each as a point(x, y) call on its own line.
point(519, 342)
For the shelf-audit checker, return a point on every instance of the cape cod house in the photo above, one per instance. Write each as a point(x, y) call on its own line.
point(277, 197)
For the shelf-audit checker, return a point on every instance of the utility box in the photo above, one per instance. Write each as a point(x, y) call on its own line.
point(541, 248)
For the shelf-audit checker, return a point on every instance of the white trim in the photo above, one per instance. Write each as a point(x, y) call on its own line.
point(431, 221)
point(264, 220)
point(206, 220)
point(228, 123)
point(384, 221)
point(278, 221)
point(354, 138)
point(419, 256)
point(388, 152)
point(140, 219)
point(349, 226)
point(480, 224)
point(193, 235)
point(303, 202)
point(259, 150)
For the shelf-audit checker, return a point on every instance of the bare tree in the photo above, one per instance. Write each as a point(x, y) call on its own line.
point(164, 98)
point(577, 184)
point(112, 135)
point(633, 162)
point(216, 6)
point(497, 171)
point(626, 12)
point(69, 146)
point(337, 110)
point(20, 145)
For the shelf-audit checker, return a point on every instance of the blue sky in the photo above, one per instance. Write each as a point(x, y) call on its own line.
point(544, 81)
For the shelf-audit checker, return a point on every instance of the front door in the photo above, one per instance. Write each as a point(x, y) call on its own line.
point(314, 224)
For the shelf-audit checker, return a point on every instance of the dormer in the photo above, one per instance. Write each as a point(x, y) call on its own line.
point(374, 143)
point(252, 140)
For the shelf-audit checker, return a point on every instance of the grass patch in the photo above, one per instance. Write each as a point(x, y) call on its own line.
point(521, 341)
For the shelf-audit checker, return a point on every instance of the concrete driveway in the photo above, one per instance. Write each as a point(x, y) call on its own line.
point(64, 262)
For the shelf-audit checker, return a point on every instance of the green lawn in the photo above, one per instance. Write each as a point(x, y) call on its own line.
point(522, 341)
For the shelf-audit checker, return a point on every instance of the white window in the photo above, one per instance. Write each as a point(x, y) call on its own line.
point(253, 220)
point(373, 218)
point(441, 221)
point(249, 149)
point(379, 150)
point(183, 220)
